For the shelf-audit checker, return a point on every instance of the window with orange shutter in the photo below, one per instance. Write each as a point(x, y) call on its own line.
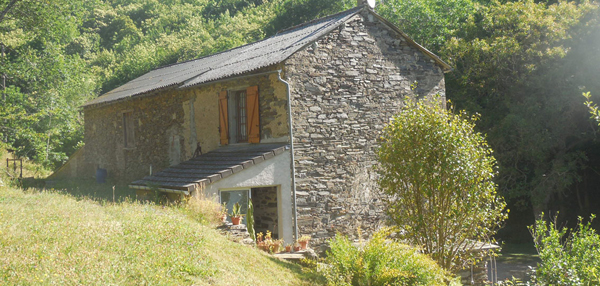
point(239, 116)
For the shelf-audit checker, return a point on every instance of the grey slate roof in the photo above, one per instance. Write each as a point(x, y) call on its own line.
point(239, 60)
point(236, 61)
point(210, 167)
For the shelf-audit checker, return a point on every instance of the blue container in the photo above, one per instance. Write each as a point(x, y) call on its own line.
point(101, 175)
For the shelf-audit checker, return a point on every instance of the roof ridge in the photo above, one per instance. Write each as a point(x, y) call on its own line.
point(286, 30)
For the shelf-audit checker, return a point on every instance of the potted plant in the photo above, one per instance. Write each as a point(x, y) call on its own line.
point(276, 247)
point(236, 215)
point(303, 241)
point(223, 212)
point(289, 248)
point(267, 243)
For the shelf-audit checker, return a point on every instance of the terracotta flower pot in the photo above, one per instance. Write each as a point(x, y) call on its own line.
point(276, 247)
point(288, 248)
point(303, 244)
point(236, 220)
point(296, 247)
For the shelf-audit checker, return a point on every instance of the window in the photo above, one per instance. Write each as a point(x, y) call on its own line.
point(230, 198)
point(128, 137)
point(236, 103)
point(239, 116)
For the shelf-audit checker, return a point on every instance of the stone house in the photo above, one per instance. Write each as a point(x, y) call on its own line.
point(221, 126)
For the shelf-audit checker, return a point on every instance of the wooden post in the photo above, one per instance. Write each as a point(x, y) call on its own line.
point(21, 161)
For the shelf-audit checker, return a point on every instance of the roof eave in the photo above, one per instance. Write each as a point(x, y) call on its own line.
point(89, 104)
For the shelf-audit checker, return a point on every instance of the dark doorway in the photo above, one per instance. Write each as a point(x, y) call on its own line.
point(265, 210)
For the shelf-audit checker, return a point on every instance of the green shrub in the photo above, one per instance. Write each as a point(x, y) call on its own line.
point(438, 174)
point(569, 257)
point(379, 262)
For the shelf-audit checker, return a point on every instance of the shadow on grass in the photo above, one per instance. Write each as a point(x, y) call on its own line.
point(515, 260)
point(518, 253)
point(85, 188)
point(302, 273)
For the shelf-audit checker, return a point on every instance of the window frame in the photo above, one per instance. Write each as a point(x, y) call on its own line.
point(128, 129)
point(240, 122)
point(239, 115)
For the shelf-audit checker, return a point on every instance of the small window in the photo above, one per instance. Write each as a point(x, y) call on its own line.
point(237, 116)
point(128, 136)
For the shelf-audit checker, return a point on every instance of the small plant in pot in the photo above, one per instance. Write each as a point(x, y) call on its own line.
point(224, 212)
point(277, 245)
point(303, 241)
point(267, 243)
point(236, 215)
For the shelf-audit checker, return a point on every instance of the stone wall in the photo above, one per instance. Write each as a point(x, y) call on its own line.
point(157, 119)
point(345, 88)
point(168, 124)
point(202, 108)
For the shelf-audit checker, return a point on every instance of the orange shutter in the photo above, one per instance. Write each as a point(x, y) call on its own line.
point(253, 115)
point(223, 123)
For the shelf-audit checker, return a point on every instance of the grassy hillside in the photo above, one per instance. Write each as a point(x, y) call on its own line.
point(52, 238)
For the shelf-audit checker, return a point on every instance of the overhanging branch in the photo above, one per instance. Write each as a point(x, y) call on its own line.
point(5, 11)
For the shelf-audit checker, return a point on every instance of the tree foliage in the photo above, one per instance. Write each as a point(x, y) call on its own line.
point(438, 173)
point(432, 23)
point(522, 66)
point(568, 256)
point(593, 108)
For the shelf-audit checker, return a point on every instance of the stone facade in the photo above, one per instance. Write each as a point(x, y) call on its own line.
point(168, 124)
point(345, 88)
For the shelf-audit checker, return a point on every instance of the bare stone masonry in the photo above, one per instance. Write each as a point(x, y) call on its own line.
point(345, 88)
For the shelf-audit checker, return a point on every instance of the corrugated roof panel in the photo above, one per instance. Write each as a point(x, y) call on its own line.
point(272, 50)
point(242, 59)
point(155, 79)
point(211, 167)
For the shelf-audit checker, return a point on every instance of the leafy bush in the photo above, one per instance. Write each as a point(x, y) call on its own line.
point(569, 257)
point(379, 262)
point(438, 174)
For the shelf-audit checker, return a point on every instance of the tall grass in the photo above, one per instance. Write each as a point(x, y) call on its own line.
point(52, 238)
